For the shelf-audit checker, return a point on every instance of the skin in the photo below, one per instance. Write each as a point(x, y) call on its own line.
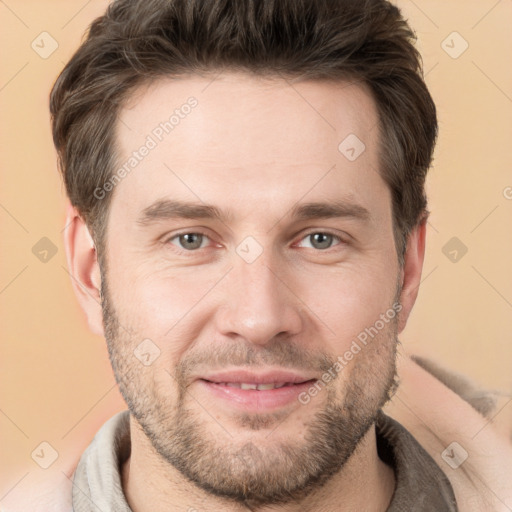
point(257, 148)
point(437, 417)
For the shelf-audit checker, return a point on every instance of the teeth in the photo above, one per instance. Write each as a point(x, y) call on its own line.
point(260, 387)
point(266, 386)
point(243, 385)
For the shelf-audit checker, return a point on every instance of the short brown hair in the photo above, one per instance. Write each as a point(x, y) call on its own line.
point(137, 41)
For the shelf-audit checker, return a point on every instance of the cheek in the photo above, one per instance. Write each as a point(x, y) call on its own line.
point(349, 301)
point(162, 306)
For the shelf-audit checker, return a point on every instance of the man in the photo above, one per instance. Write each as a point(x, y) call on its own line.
point(248, 233)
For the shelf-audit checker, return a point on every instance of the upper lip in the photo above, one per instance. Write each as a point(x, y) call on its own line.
point(266, 377)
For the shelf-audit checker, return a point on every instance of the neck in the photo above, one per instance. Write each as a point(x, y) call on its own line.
point(150, 484)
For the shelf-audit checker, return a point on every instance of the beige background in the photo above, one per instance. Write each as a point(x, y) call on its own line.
point(56, 383)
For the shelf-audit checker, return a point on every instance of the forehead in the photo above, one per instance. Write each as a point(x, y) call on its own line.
point(266, 138)
point(229, 102)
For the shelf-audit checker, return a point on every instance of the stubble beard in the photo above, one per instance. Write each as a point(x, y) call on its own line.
point(255, 474)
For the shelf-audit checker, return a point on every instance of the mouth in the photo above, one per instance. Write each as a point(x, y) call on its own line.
point(253, 392)
point(261, 386)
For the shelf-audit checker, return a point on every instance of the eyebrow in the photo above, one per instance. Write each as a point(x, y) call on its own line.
point(165, 209)
point(335, 209)
point(171, 209)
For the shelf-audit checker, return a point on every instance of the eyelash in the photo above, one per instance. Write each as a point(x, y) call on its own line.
point(340, 240)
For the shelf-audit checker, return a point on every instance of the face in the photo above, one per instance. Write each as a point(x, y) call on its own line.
point(251, 279)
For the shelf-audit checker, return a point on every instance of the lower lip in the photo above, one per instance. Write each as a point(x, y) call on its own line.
point(255, 400)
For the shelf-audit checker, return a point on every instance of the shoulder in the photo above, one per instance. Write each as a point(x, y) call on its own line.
point(456, 423)
point(52, 490)
point(51, 494)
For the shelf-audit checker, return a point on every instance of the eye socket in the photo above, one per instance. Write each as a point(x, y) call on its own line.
point(189, 241)
point(193, 240)
point(323, 241)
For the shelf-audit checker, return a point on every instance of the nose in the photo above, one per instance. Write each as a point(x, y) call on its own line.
point(258, 303)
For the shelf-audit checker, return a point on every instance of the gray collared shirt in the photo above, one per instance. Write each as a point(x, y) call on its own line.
point(421, 486)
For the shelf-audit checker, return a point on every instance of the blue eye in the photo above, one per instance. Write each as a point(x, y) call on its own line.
point(321, 240)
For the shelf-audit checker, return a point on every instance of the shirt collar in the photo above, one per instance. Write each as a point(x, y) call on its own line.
point(420, 484)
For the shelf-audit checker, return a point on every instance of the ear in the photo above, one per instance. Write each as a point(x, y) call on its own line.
point(411, 271)
point(84, 269)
